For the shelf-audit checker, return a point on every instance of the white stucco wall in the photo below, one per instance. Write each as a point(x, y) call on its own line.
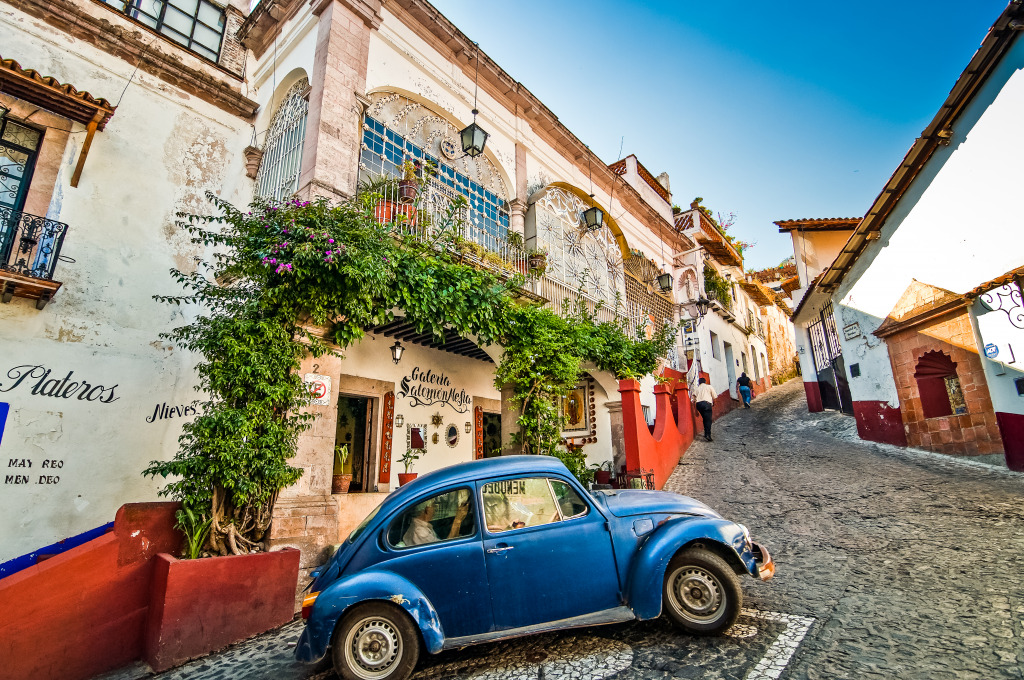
point(995, 332)
point(158, 155)
point(956, 227)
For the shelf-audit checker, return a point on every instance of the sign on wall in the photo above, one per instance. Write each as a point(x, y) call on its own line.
point(426, 388)
point(319, 388)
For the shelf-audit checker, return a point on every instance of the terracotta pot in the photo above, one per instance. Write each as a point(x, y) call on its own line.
point(603, 477)
point(253, 157)
point(388, 211)
point(405, 477)
point(339, 483)
point(538, 262)
point(407, 190)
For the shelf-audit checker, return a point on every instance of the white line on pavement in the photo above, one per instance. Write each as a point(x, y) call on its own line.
point(775, 660)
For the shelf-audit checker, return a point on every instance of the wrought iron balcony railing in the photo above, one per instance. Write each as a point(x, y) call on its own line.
point(29, 244)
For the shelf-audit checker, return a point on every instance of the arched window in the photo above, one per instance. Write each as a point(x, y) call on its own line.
point(939, 385)
point(396, 129)
point(589, 261)
point(278, 177)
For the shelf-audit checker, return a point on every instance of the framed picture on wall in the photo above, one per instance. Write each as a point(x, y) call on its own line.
point(576, 410)
point(417, 437)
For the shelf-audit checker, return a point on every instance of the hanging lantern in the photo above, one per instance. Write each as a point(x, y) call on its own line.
point(702, 306)
point(665, 282)
point(473, 138)
point(593, 218)
point(396, 351)
point(3, 113)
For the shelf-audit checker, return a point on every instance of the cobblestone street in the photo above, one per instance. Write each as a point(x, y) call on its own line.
point(891, 564)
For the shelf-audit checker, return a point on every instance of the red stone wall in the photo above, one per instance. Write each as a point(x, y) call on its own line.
point(973, 434)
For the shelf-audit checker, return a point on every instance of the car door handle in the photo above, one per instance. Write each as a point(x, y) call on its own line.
point(499, 550)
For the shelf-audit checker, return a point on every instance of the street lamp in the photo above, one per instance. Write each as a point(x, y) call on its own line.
point(469, 427)
point(396, 351)
point(474, 137)
point(3, 113)
point(665, 282)
point(702, 306)
point(593, 218)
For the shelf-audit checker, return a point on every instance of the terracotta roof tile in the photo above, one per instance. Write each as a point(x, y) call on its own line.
point(61, 98)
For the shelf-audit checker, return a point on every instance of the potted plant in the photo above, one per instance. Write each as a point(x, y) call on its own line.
point(409, 185)
point(602, 472)
point(339, 480)
point(408, 459)
point(538, 261)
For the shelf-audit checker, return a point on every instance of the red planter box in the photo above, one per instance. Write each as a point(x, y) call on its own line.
point(198, 606)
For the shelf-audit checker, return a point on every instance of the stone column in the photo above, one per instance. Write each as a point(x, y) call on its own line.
point(618, 440)
point(509, 416)
point(330, 155)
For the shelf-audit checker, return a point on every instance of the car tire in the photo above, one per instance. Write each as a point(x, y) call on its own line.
point(701, 593)
point(375, 641)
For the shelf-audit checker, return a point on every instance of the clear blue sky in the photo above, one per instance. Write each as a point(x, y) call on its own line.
point(773, 111)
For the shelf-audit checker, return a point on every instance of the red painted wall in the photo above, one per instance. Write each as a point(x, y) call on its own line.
point(83, 612)
point(658, 451)
point(243, 595)
point(813, 397)
point(879, 422)
point(1011, 429)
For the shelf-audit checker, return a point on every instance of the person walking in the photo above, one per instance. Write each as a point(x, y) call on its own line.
point(704, 395)
point(744, 384)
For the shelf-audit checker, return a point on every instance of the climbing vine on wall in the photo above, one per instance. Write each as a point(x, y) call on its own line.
point(277, 274)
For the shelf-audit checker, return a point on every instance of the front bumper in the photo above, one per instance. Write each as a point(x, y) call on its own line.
point(304, 649)
point(765, 565)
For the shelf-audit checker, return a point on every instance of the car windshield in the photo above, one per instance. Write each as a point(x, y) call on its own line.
point(358, 531)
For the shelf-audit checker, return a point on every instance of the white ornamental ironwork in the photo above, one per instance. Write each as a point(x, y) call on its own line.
point(278, 176)
point(586, 260)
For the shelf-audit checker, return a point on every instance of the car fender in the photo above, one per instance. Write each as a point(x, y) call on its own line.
point(647, 573)
point(370, 584)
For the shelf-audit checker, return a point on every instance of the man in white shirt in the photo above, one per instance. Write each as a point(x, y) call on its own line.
point(704, 395)
point(421, 531)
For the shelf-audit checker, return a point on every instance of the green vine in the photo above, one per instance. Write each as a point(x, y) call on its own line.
point(278, 272)
point(716, 286)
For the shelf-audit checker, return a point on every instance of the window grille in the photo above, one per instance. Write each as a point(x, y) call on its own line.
point(196, 25)
point(278, 177)
point(384, 150)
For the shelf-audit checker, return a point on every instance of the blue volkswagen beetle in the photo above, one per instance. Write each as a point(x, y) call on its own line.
point(511, 546)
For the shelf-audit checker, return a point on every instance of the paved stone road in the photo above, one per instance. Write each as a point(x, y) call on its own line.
point(892, 564)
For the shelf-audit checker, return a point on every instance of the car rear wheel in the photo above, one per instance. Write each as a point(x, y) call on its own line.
point(701, 592)
point(375, 641)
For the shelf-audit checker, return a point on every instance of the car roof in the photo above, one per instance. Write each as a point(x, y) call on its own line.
point(486, 467)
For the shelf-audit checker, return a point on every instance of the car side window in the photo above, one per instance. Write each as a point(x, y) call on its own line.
point(443, 517)
point(569, 502)
point(517, 503)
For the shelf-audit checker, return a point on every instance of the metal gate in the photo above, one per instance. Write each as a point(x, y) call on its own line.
point(828, 362)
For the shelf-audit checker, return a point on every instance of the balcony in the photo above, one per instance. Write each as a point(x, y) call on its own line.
point(437, 212)
point(29, 250)
point(722, 306)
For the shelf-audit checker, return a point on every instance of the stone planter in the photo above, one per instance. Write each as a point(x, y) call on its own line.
point(199, 606)
point(253, 158)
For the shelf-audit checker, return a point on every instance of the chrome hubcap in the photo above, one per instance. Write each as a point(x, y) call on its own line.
point(373, 647)
point(696, 593)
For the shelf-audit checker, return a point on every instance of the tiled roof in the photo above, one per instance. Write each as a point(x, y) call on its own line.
point(774, 273)
point(61, 98)
point(823, 224)
point(619, 168)
point(919, 301)
point(997, 282)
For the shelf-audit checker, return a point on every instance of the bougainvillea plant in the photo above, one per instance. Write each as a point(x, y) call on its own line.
point(284, 281)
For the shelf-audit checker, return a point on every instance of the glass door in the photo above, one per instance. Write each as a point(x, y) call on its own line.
point(19, 146)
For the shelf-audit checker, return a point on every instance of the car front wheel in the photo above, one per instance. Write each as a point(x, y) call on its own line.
point(701, 592)
point(375, 641)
